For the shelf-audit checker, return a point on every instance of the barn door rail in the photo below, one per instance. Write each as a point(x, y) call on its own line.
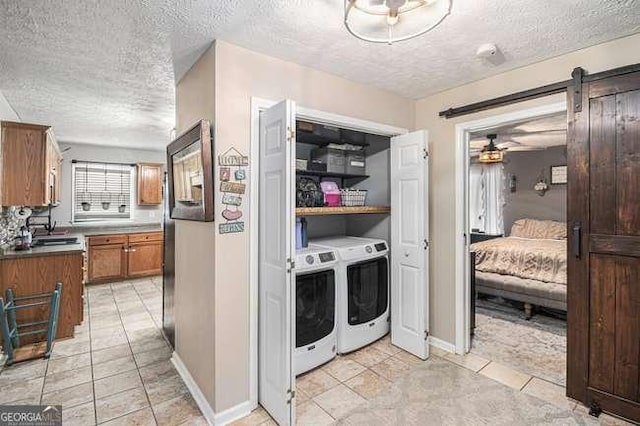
point(578, 77)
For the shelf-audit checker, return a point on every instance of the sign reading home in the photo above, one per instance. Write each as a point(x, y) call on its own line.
point(232, 164)
point(232, 157)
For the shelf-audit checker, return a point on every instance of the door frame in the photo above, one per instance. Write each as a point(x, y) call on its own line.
point(316, 116)
point(463, 271)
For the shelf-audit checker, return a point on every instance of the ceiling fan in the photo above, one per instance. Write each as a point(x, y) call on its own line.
point(491, 153)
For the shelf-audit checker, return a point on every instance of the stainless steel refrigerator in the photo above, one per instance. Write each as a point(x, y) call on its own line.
point(168, 274)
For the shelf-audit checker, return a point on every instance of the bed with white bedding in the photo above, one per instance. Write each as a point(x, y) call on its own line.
point(529, 266)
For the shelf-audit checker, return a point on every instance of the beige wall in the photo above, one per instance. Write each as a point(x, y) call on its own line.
point(241, 74)
point(6, 111)
point(195, 249)
point(605, 56)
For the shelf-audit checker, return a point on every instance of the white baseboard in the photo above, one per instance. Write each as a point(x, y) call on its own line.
point(215, 419)
point(234, 413)
point(196, 393)
point(441, 344)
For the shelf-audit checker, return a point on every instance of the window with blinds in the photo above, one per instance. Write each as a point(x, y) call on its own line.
point(102, 191)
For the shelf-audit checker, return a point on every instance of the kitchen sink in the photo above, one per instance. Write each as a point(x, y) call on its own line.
point(55, 241)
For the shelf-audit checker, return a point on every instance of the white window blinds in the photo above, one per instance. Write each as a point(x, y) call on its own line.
point(102, 191)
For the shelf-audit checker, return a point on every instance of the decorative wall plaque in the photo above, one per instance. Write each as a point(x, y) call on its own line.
point(232, 163)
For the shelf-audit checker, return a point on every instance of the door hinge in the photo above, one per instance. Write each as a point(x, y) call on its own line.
point(464, 236)
point(291, 135)
point(291, 394)
point(425, 244)
point(291, 265)
point(425, 153)
point(426, 335)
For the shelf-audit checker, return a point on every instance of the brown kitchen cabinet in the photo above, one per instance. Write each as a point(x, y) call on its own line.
point(145, 254)
point(107, 258)
point(31, 165)
point(117, 257)
point(150, 184)
point(31, 274)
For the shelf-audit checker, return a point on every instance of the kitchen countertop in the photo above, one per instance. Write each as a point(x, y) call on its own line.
point(92, 232)
point(11, 253)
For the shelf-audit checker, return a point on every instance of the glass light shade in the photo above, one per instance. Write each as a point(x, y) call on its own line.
point(491, 157)
point(390, 21)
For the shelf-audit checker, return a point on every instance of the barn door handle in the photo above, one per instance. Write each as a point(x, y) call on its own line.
point(577, 235)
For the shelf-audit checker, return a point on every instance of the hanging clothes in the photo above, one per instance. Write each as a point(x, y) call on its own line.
point(487, 198)
point(476, 198)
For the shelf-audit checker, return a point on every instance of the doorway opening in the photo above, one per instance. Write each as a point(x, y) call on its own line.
point(517, 208)
point(391, 162)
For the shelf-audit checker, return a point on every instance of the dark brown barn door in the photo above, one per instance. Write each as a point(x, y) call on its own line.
point(604, 246)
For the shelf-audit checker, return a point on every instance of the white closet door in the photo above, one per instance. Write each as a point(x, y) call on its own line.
point(277, 248)
point(410, 243)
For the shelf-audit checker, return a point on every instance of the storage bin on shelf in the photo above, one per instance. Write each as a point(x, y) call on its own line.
point(331, 194)
point(353, 197)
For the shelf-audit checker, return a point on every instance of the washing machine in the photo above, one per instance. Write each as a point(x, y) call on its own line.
point(363, 289)
point(316, 307)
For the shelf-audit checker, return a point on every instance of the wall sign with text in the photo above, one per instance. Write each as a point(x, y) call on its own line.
point(233, 173)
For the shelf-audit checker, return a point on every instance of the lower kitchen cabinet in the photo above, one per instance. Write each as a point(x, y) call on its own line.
point(107, 262)
point(30, 275)
point(117, 257)
point(145, 259)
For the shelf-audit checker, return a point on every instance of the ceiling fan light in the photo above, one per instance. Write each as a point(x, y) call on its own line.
point(491, 153)
point(491, 157)
point(372, 20)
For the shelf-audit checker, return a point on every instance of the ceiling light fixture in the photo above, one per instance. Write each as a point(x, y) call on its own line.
point(390, 21)
point(491, 153)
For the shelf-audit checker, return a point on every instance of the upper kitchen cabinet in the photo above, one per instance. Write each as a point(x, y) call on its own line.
point(149, 184)
point(31, 165)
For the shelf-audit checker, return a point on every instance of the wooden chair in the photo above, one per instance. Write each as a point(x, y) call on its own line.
point(12, 331)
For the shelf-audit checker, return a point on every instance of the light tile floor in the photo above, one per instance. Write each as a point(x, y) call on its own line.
point(331, 391)
point(115, 371)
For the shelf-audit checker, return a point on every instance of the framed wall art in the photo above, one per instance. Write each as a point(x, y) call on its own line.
point(190, 171)
point(558, 175)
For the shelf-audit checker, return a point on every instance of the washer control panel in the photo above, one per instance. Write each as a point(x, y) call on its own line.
point(327, 257)
point(311, 259)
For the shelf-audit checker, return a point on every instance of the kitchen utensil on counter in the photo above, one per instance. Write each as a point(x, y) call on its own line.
point(24, 239)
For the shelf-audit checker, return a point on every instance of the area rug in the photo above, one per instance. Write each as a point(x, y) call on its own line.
point(437, 392)
point(537, 347)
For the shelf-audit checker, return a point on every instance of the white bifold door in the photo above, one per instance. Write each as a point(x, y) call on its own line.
point(276, 381)
point(410, 243)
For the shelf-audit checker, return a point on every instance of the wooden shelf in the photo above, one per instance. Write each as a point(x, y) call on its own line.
point(322, 211)
point(329, 175)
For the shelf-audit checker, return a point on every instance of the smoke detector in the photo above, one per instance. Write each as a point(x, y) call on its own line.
point(490, 53)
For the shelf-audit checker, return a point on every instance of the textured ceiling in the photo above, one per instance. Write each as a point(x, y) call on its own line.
point(102, 71)
point(528, 135)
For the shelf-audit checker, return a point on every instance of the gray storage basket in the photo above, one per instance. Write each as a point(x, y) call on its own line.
point(353, 197)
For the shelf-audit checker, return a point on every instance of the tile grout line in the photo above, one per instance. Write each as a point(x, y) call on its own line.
point(144, 388)
point(93, 382)
point(525, 384)
point(146, 308)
